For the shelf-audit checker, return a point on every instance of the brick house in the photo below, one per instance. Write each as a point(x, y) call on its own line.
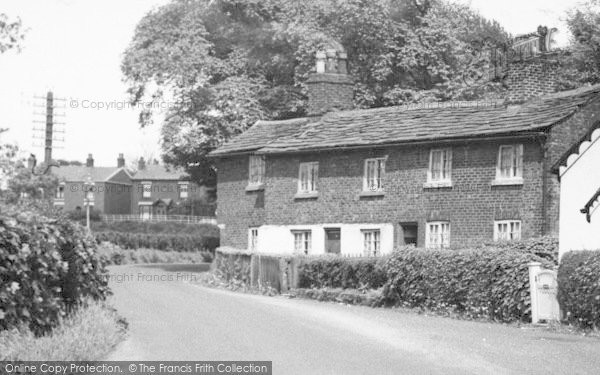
point(364, 181)
point(150, 190)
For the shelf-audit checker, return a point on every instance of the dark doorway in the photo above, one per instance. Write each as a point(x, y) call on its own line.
point(408, 233)
point(332, 240)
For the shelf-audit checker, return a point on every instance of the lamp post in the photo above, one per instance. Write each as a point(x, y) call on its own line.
point(88, 187)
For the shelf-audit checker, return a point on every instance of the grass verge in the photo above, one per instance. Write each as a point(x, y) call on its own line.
point(88, 334)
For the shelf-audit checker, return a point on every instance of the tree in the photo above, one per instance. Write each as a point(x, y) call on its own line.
point(226, 63)
point(583, 64)
point(11, 33)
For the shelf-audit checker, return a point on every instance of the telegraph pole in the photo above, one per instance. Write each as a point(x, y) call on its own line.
point(49, 127)
point(48, 132)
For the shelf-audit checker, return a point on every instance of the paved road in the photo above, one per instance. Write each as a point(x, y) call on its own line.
point(176, 320)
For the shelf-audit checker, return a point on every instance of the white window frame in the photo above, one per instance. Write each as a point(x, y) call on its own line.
point(184, 190)
point(256, 170)
point(253, 239)
point(435, 238)
point(308, 177)
point(507, 230)
point(374, 182)
point(445, 173)
point(371, 242)
point(146, 189)
point(302, 241)
point(60, 191)
point(515, 171)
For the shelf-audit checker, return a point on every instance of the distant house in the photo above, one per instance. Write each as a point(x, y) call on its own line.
point(579, 173)
point(364, 181)
point(150, 191)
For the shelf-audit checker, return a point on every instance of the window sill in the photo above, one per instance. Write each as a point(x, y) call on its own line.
point(508, 182)
point(437, 184)
point(258, 187)
point(371, 193)
point(311, 195)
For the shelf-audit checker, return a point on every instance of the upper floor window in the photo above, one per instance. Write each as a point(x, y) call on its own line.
point(183, 190)
point(146, 189)
point(510, 162)
point(256, 171)
point(302, 241)
point(440, 165)
point(374, 172)
point(308, 176)
point(371, 242)
point(507, 230)
point(253, 239)
point(437, 235)
point(60, 191)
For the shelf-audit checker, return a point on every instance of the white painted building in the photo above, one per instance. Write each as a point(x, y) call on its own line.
point(579, 172)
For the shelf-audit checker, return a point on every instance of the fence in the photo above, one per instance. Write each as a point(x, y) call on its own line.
point(184, 219)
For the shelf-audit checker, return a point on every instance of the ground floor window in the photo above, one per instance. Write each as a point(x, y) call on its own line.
point(371, 242)
point(145, 212)
point(438, 235)
point(507, 230)
point(302, 241)
point(253, 239)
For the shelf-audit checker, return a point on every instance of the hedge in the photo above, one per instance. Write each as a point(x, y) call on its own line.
point(47, 267)
point(544, 247)
point(199, 230)
point(159, 241)
point(337, 272)
point(490, 283)
point(579, 288)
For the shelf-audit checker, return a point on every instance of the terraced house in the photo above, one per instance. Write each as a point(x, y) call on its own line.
point(364, 181)
point(149, 191)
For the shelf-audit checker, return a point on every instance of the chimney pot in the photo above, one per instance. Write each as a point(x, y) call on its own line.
point(121, 161)
point(89, 161)
point(141, 163)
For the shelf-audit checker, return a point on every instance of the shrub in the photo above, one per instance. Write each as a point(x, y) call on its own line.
point(200, 230)
point(116, 255)
point(337, 272)
point(544, 247)
point(490, 283)
point(579, 288)
point(46, 268)
point(159, 241)
point(233, 265)
point(81, 215)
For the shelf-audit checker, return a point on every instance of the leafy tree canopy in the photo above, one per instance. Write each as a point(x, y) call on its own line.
point(11, 33)
point(227, 63)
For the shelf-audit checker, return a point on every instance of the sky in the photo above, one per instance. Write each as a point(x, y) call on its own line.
point(74, 48)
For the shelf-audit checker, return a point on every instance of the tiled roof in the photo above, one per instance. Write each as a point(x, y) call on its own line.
point(159, 172)
point(77, 173)
point(260, 135)
point(392, 125)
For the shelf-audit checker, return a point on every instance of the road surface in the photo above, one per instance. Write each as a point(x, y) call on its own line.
point(170, 318)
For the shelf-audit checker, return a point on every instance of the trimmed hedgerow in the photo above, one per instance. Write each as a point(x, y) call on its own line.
point(159, 241)
point(579, 288)
point(337, 272)
point(199, 230)
point(489, 283)
point(544, 247)
point(47, 267)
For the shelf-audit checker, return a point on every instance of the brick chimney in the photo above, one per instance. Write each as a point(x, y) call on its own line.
point(532, 67)
point(89, 162)
point(330, 88)
point(141, 163)
point(120, 161)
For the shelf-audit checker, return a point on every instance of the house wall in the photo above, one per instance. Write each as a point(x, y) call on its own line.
point(165, 189)
point(74, 196)
point(471, 205)
point(579, 182)
point(117, 199)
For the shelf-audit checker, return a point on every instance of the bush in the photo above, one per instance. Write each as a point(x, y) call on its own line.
point(116, 255)
point(81, 215)
point(544, 247)
point(159, 241)
point(233, 265)
point(47, 267)
point(579, 288)
point(489, 283)
point(337, 272)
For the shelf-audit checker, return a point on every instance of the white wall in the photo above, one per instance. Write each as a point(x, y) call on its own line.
point(579, 181)
point(279, 238)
